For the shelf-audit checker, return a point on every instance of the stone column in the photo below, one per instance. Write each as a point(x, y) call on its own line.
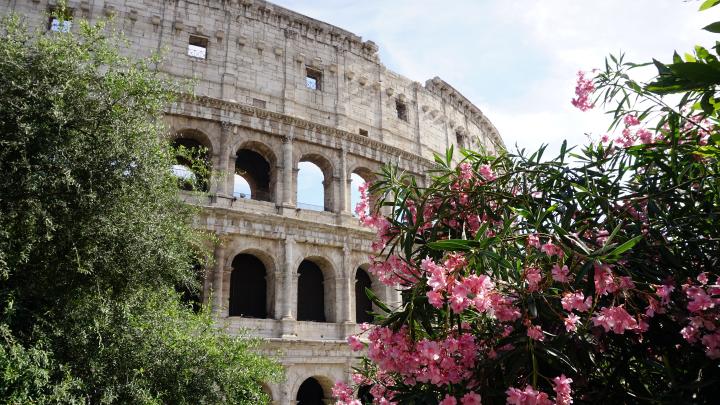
point(287, 193)
point(217, 284)
point(348, 286)
point(288, 279)
point(344, 202)
point(223, 171)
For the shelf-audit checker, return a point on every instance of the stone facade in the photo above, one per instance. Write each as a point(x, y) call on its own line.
point(283, 88)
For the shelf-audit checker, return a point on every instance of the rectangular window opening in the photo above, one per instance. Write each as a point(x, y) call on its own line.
point(60, 21)
point(259, 103)
point(401, 109)
point(197, 47)
point(363, 132)
point(313, 79)
point(460, 139)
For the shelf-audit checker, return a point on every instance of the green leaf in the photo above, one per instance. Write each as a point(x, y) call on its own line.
point(708, 4)
point(453, 244)
point(625, 246)
point(714, 27)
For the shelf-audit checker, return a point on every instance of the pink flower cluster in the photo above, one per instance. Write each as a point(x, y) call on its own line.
point(393, 271)
point(473, 291)
point(344, 394)
point(378, 222)
point(704, 324)
point(530, 396)
point(583, 90)
point(615, 319)
point(470, 398)
point(439, 362)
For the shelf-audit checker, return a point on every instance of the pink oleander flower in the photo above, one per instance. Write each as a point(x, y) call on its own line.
point(604, 280)
point(664, 291)
point(560, 274)
point(583, 90)
point(551, 249)
point(571, 322)
point(487, 172)
point(343, 394)
point(644, 135)
point(702, 278)
point(471, 398)
point(533, 240)
point(355, 343)
point(448, 400)
point(615, 319)
point(535, 332)
point(533, 277)
point(562, 390)
point(435, 299)
point(631, 120)
point(466, 172)
point(626, 283)
point(576, 301)
point(527, 397)
point(699, 300)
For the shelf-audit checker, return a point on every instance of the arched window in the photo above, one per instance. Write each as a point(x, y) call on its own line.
point(310, 393)
point(242, 188)
point(311, 293)
point(248, 287)
point(192, 164)
point(310, 187)
point(363, 305)
point(253, 172)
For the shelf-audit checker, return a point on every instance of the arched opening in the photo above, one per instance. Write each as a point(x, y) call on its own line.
point(241, 188)
point(356, 181)
point(310, 393)
point(252, 172)
point(192, 164)
point(310, 187)
point(363, 305)
point(311, 293)
point(248, 287)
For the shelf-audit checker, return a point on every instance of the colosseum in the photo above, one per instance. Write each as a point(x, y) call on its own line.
point(276, 92)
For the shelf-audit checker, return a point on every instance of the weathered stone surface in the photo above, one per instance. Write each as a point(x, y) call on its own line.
point(252, 95)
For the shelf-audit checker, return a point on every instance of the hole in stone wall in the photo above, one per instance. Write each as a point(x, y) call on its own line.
point(363, 132)
point(197, 47)
point(259, 103)
point(313, 79)
point(310, 393)
point(192, 164)
point(310, 187)
point(251, 168)
point(363, 305)
point(460, 138)
point(248, 287)
point(401, 109)
point(310, 293)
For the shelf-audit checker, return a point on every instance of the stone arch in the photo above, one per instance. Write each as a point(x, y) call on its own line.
point(314, 390)
point(328, 172)
point(192, 167)
point(196, 135)
point(256, 163)
point(251, 290)
point(315, 290)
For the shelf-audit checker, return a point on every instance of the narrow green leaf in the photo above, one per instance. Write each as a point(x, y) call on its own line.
point(625, 246)
point(708, 4)
point(714, 27)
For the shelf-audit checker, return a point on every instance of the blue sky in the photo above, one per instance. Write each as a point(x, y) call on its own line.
point(517, 60)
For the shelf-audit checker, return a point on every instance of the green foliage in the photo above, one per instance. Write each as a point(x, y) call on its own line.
point(649, 211)
point(94, 238)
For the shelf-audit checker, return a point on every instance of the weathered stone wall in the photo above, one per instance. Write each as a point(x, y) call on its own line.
point(252, 96)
